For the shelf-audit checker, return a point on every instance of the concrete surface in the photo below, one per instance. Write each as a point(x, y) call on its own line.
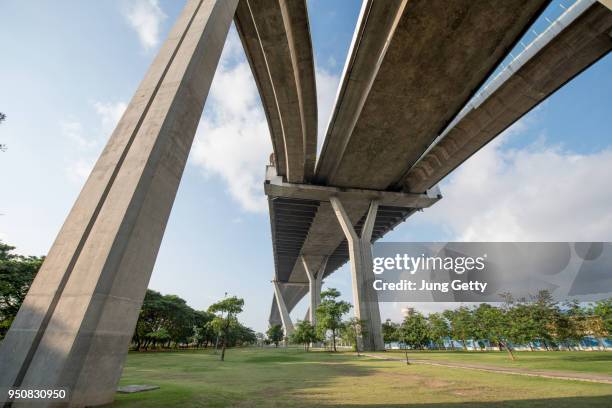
point(131, 389)
point(577, 47)
point(276, 38)
point(77, 320)
point(401, 89)
point(365, 298)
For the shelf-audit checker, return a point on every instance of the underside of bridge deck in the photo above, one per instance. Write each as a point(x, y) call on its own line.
point(402, 124)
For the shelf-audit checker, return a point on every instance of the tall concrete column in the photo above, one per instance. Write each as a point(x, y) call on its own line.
point(77, 320)
point(364, 295)
point(315, 280)
point(282, 308)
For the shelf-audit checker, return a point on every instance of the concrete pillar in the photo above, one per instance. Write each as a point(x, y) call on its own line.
point(77, 320)
point(282, 308)
point(364, 295)
point(315, 280)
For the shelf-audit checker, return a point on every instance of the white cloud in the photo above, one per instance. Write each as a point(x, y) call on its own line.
point(145, 16)
point(539, 193)
point(73, 130)
point(233, 140)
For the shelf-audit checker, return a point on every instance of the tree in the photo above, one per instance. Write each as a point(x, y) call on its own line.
point(240, 335)
point(275, 334)
point(438, 328)
point(16, 275)
point(203, 332)
point(543, 315)
point(168, 312)
point(461, 324)
point(180, 319)
point(261, 339)
point(414, 330)
point(329, 313)
point(389, 330)
point(577, 319)
point(522, 327)
point(603, 311)
point(227, 310)
point(150, 318)
point(594, 326)
point(304, 333)
point(159, 336)
point(492, 323)
point(353, 330)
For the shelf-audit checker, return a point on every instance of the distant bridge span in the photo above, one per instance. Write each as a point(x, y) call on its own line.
point(410, 109)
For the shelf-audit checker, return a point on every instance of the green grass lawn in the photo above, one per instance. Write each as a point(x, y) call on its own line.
point(595, 362)
point(290, 377)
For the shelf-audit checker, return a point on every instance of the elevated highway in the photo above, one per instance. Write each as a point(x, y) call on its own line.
point(575, 41)
point(411, 69)
point(276, 39)
point(404, 122)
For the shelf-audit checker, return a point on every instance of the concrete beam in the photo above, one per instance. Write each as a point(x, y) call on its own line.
point(284, 313)
point(368, 47)
point(276, 38)
point(275, 186)
point(362, 276)
point(575, 41)
point(291, 295)
point(607, 3)
point(412, 67)
point(304, 284)
point(315, 269)
point(75, 325)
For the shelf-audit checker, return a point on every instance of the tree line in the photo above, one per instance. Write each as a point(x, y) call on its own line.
point(539, 322)
point(164, 321)
point(168, 321)
point(16, 275)
point(330, 325)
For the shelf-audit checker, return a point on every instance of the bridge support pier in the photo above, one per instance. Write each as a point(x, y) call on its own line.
point(282, 309)
point(364, 295)
point(315, 281)
point(75, 325)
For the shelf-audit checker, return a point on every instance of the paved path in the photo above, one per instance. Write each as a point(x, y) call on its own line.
point(559, 375)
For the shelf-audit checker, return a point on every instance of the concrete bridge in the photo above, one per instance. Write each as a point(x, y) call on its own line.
point(409, 110)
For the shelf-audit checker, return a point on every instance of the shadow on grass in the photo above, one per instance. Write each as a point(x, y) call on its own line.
point(289, 377)
point(251, 377)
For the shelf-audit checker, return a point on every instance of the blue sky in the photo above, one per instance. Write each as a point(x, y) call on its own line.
point(69, 68)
